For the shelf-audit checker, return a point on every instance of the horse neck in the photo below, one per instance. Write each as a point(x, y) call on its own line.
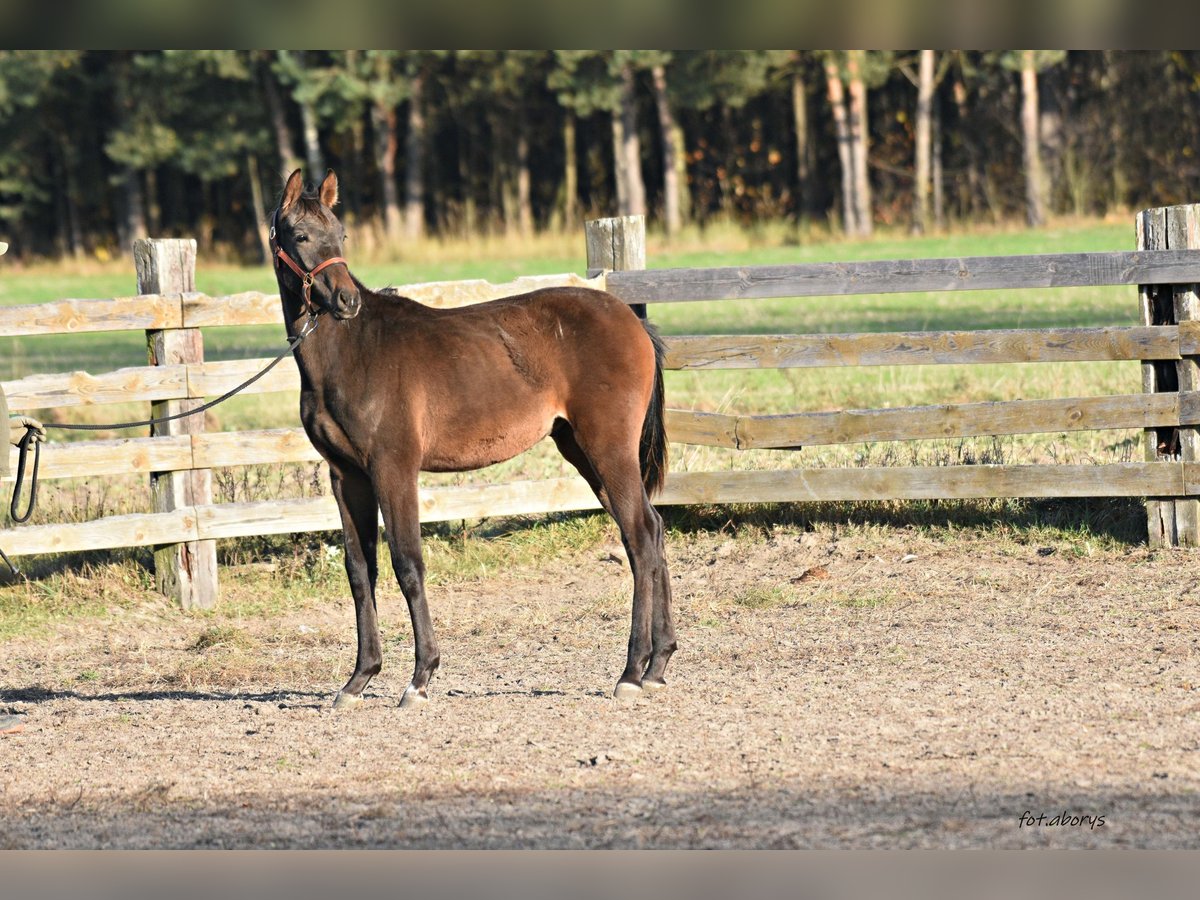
point(334, 345)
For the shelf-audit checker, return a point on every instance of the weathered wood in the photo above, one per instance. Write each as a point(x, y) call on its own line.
point(86, 316)
point(83, 459)
point(212, 379)
point(448, 294)
point(905, 275)
point(137, 383)
point(256, 308)
point(136, 530)
point(956, 420)
point(914, 348)
point(246, 308)
point(240, 448)
point(686, 426)
point(1171, 522)
point(185, 571)
point(1182, 232)
point(923, 483)
point(735, 486)
point(565, 494)
point(616, 245)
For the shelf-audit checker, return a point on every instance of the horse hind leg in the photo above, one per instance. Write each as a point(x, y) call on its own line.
point(663, 626)
point(615, 478)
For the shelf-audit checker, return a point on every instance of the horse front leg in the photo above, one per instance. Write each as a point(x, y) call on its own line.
point(401, 518)
point(360, 528)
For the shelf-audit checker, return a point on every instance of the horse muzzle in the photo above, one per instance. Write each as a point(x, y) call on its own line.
point(346, 304)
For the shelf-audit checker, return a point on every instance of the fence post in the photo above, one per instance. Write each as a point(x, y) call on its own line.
point(1172, 522)
point(185, 572)
point(616, 245)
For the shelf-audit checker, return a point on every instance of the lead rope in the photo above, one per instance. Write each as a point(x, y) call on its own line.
point(23, 446)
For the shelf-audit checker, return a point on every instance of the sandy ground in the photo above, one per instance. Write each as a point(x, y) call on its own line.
point(885, 690)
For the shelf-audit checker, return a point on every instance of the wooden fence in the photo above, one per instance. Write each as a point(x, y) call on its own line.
point(185, 521)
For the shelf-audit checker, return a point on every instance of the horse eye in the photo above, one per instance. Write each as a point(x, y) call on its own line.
point(300, 238)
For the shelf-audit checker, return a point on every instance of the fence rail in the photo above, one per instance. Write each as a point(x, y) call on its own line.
point(1169, 338)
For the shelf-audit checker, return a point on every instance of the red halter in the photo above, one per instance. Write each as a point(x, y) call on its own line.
point(306, 278)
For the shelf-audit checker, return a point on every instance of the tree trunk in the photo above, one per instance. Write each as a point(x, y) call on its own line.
point(312, 142)
point(524, 190)
point(631, 147)
point(804, 181)
point(570, 172)
point(672, 211)
point(284, 146)
point(924, 143)
point(414, 162)
point(135, 209)
point(620, 176)
point(1035, 202)
point(153, 209)
point(857, 90)
point(939, 194)
point(837, 102)
point(469, 212)
point(258, 208)
point(387, 143)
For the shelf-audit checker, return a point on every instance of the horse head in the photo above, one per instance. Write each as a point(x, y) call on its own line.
point(306, 242)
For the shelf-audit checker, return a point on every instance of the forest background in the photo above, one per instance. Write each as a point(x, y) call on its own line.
point(98, 148)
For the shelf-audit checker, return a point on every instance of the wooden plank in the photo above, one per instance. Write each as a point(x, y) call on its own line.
point(211, 379)
point(904, 275)
point(256, 308)
point(922, 348)
point(564, 494)
point(85, 316)
point(789, 485)
point(231, 520)
point(437, 504)
point(240, 448)
point(184, 571)
point(924, 483)
point(1183, 231)
point(135, 530)
point(956, 420)
point(1189, 338)
point(136, 383)
point(83, 459)
point(449, 294)
point(686, 426)
point(616, 244)
point(246, 308)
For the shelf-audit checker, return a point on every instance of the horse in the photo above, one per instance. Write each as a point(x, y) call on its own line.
point(391, 387)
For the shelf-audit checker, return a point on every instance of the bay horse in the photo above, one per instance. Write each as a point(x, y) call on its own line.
point(391, 387)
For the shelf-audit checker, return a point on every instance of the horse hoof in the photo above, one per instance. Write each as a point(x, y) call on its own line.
point(346, 701)
point(627, 691)
point(651, 686)
point(413, 697)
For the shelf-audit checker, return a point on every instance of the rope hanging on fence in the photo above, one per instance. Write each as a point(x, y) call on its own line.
point(23, 447)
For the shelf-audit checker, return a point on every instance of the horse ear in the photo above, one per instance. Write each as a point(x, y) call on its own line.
point(291, 192)
point(329, 190)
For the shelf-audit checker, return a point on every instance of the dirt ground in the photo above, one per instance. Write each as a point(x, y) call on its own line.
point(889, 688)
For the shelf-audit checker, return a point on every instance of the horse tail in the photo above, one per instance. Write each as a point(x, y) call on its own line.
point(653, 450)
